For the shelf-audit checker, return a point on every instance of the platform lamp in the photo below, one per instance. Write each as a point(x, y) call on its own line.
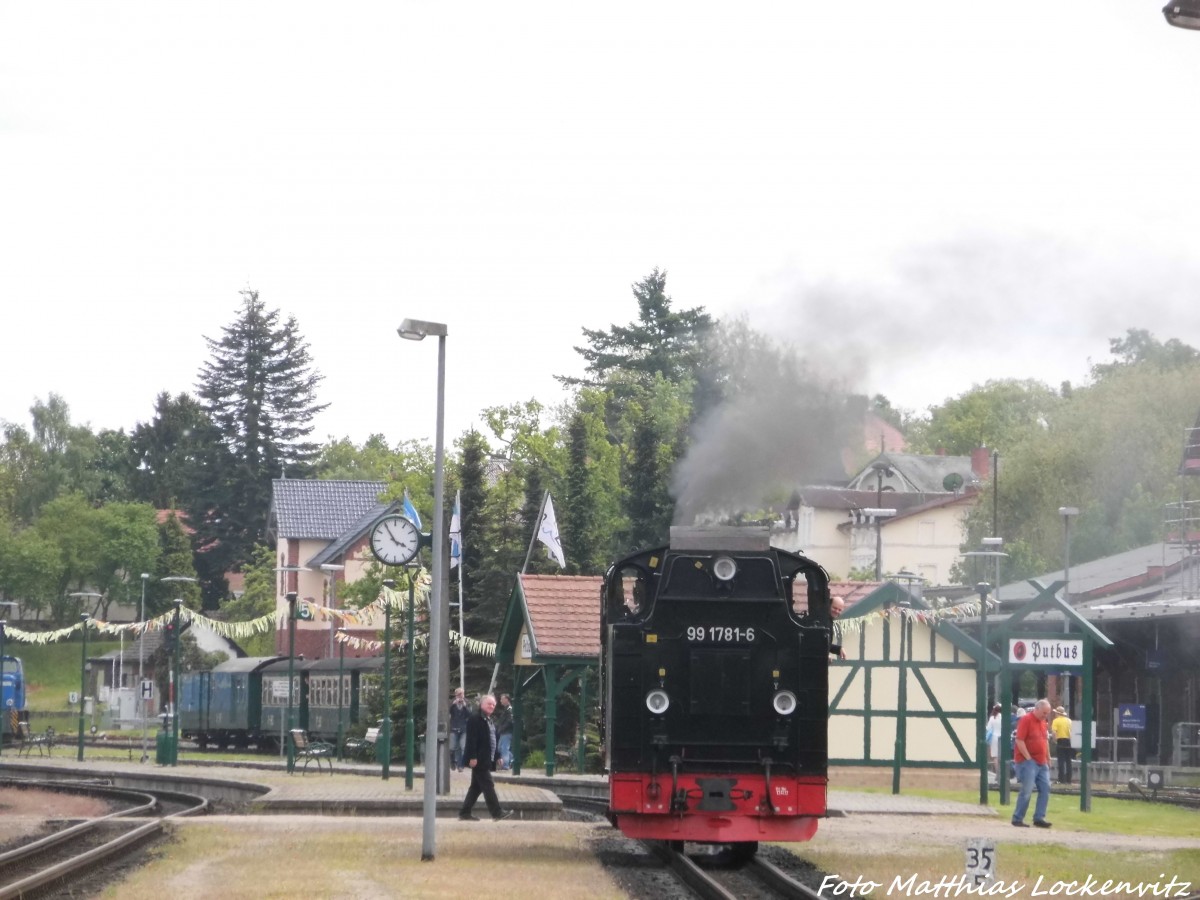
point(178, 684)
point(439, 608)
point(1184, 14)
point(83, 624)
point(11, 604)
point(341, 692)
point(1068, 513)
point(291, 597)
point(385, 732)
point(331, 572)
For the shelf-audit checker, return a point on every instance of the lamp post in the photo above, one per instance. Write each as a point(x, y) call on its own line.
point(882, 471)
point(983, 588)
point(175, 677)
point(291, 709)
point(83, 622)
point(175, 684)
point(341, 732)
point(1183, 14)
point(83, 595)
point(141, 656)
point(331, 570)
point(1067, 513)
point(439, 612)
point(410, 726)
point(11, 604)
point(385, 733)
point(878, 515)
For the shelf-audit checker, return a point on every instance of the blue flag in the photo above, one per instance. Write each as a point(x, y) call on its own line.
point(410, 511)
point(456, 532)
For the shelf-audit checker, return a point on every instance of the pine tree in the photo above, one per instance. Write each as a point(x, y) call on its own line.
point(259, 389)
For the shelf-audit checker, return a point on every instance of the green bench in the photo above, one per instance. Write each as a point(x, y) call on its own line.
point(310, 750)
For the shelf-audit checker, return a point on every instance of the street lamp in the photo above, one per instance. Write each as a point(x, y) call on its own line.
point(291, 710)
point(385, 733)
point(1068, 513)
point(83, 621)
point(176, 683)
point(983, 588)
point(331, 570)
point(11, 604)
point(1184, 14)
point(341, 732)
point(439, 610)
point(141, 654)
point(878, 515)
point(83, 664)
point(410, 726)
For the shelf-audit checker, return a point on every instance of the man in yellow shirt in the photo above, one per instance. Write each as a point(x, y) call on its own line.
point(1061, 728)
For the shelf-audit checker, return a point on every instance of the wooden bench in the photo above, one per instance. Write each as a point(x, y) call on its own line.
point(310, 750)
point(363, 747)
point(27, 740)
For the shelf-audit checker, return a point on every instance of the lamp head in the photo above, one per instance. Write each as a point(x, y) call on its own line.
point(145, 576)
point(983, 589)
point(418, 330)
point(1185, 14)
point(1068, 511)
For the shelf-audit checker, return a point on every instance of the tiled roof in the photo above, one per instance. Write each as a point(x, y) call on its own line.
point(564, 614)
point(320, 509)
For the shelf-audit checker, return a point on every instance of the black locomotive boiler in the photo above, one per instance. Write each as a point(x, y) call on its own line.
point(714, 669)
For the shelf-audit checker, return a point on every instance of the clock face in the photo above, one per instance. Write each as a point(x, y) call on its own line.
point(395, 540)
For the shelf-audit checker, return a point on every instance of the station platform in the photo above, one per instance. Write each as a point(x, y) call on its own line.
point(359, 788)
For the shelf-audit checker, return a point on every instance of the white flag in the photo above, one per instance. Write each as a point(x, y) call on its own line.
point(456, 532)
point(548, 534)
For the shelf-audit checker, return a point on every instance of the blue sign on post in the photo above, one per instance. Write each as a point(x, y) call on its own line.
point(1131, 716)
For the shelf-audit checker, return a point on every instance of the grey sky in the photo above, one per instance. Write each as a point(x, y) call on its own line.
point(926, 195)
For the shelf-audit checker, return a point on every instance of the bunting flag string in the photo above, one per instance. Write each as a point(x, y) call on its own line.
point(958, 612)
point(480, 648)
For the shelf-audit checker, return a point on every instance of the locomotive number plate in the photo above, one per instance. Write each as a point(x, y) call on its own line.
point(720, 634)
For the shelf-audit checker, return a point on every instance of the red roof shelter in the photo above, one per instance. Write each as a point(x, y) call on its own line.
point(551, 630)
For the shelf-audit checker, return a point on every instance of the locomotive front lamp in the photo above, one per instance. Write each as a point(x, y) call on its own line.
point(724, 568)
point(785, 703)
point(657, 701)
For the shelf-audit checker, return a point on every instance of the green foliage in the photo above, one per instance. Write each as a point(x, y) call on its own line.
point(166, 453)
point(997, 414)
point(590, 514)
point(1112, 450)
point(663, 341)
point(1140, 348)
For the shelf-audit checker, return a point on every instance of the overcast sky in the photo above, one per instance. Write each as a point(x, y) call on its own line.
point(924, 195)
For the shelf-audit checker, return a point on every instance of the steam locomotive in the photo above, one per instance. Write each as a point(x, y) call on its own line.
point(714, 690)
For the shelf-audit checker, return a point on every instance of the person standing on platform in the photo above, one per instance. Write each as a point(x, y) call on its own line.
point(460, 714)
point(1031, 754)
point(481, 753)
point(1061, 726)
point(504, 728)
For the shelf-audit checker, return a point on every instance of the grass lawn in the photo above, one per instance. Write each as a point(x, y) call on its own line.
point(52, 671)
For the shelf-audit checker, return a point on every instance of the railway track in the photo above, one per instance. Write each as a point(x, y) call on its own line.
point(757, 878)
point(75, 851)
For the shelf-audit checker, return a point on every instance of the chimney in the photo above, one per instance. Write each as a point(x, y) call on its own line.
point(941, 451)
point(981, 463)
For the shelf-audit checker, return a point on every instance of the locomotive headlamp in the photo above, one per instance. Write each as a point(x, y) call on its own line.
point(657, 701)
point(724, 568)
point(785, 703)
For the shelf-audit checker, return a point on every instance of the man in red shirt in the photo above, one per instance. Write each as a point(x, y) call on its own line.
point(1031, 760)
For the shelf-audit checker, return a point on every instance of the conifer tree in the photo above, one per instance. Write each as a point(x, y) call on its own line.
point(259, 389)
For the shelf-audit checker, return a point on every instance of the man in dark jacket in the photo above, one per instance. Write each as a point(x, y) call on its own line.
point(480, 755)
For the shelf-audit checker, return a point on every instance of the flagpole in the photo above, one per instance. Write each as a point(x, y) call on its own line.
point(462, 627)
point(537, 524)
